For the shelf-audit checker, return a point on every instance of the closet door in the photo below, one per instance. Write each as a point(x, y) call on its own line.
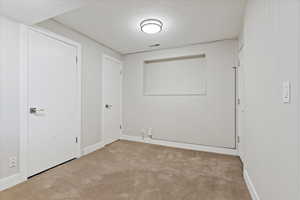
point(53, 91)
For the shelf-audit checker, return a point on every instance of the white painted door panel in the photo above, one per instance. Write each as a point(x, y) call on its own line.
point(111, 99)
point(52, 87)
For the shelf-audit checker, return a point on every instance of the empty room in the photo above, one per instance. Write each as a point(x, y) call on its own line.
point(150, 100)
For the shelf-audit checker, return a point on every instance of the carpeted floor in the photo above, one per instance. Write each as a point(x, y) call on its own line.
point(135, 171)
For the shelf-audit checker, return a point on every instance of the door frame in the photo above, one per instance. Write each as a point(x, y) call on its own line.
point(240, 104)
point(105, 56)
point(24, 114)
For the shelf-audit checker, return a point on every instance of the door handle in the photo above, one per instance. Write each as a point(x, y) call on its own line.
point(108, 106)
point(36, 110)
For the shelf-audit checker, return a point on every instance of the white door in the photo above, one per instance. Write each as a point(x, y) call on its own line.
point(53, 91)
point(111, 99)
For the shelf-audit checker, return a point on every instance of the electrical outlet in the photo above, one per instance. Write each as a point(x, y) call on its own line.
point(149, 133)
point(12, 162)
point(143, 133)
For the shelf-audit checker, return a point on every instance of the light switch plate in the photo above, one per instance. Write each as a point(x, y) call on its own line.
point(286, 89)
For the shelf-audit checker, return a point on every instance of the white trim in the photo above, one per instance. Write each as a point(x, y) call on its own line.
point(112, 58)
point(23, 101)
point(105, 56)
point(250, 185)
point(53, 35)
point(92, 148)
point(241, 157)
point(195, 147)
point(24, 92)
point(121, 98)
point(11, 181)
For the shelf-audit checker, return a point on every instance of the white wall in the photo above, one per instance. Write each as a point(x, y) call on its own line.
point(92, 53)
point(206, 120)
point(10, 88)
point(9, 94)
point(299, 103)
point(271, 137)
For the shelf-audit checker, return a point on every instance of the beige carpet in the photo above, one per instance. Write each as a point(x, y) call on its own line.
point(135, 171)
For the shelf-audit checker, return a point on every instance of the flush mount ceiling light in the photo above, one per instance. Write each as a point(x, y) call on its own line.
point(151, 26)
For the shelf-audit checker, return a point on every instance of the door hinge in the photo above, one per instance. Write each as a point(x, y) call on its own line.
point(76, 59)
point(238, 101)
point(238, 139)
point(76, 140)
point(120, 126)
point(120, 72)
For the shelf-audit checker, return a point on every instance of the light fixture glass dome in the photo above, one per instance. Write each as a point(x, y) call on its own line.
point(151, 26)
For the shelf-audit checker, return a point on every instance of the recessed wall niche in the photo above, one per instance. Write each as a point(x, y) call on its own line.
point(175, 76)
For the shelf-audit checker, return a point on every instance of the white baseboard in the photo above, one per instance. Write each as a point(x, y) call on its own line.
point(11, 181)
point(181, 145)
point(92, 148)
point(250, 185)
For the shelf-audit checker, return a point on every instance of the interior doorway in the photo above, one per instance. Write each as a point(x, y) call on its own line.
point(51, 119)
point(112, 74)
